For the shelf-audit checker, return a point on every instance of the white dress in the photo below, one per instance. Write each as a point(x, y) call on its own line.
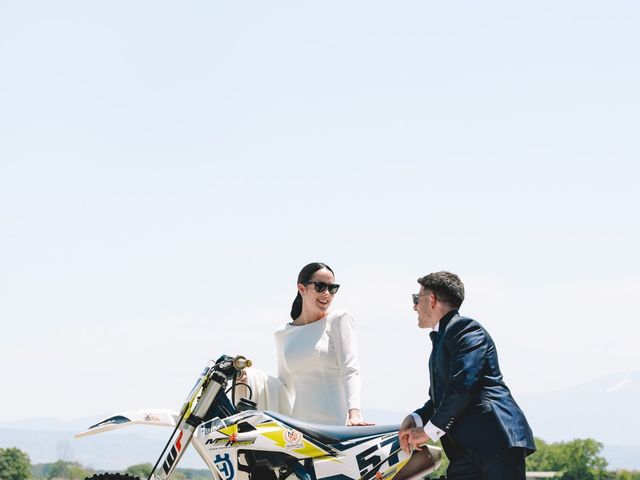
point(318, 365)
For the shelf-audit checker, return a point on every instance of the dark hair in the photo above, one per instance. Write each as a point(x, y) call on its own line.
point(446, 285)
point(303, 277)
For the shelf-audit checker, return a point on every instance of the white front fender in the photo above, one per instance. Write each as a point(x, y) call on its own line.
point(159, 417)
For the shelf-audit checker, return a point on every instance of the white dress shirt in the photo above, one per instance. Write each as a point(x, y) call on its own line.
point(430, 429)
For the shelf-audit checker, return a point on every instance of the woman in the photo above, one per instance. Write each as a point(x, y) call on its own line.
point(317, 354)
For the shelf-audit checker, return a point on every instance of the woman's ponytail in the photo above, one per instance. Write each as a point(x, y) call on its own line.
point(296, 307)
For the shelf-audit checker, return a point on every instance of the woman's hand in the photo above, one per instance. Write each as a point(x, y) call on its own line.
point(355, 419)
point(241, 390)
point(241, 376)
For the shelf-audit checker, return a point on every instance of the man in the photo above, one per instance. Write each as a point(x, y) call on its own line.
point(470, 409)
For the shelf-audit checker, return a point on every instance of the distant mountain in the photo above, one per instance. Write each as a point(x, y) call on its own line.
point(47, 424)
point(622, 457)
point(605, 409)
point(115, 450)
point(383, 417)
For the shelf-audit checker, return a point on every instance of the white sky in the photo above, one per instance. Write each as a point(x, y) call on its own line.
point(166, 168)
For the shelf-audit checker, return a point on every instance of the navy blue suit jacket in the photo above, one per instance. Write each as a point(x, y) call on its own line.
point(468, 398)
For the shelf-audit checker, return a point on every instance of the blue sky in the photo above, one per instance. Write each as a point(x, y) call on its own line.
point(166, 169)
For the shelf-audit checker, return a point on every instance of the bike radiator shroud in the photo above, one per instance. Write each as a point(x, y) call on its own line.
point(264, 445)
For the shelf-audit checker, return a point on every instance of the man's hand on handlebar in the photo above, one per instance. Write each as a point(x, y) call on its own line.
point(417, 439)
point(403, 434)
point(410, 436)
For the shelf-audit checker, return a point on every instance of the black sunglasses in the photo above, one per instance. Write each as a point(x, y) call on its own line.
point(416, 297)
point(321, 287)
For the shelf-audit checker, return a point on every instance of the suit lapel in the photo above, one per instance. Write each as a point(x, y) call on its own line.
point(435, 348)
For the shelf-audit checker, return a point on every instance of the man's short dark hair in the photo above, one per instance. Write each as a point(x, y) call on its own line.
point(446, 285)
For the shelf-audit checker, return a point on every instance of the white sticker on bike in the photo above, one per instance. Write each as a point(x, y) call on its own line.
point(293, 439)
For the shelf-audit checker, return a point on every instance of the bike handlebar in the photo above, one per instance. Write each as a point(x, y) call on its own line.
point(241, 362)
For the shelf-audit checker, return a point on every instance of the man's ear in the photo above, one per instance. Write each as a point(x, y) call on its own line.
point(433, 299)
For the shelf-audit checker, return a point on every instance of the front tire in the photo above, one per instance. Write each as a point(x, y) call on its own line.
point(112, 476)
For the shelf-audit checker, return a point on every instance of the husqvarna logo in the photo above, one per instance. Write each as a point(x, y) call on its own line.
point(224, 466)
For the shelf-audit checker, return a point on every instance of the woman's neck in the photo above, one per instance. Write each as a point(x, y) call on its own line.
point(307, 317)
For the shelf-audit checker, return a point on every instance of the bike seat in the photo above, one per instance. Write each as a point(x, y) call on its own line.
point(330, 434)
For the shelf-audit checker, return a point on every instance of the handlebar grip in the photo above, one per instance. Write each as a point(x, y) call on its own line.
point(241, 362)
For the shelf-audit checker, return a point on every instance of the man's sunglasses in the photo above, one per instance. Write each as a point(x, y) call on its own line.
point(416, 297)
point(321, 287)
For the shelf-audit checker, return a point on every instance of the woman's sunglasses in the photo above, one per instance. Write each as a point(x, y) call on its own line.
point(321, 287)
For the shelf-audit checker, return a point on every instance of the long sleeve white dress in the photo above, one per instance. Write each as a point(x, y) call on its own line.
point(318, 365)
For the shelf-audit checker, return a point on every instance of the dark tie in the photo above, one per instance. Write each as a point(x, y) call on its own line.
point(434, 339)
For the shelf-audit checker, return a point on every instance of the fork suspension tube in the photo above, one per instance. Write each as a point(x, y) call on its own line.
point(208, 396)
point(186, 427)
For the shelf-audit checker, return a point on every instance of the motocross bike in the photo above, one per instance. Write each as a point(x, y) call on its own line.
point(242, 443)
